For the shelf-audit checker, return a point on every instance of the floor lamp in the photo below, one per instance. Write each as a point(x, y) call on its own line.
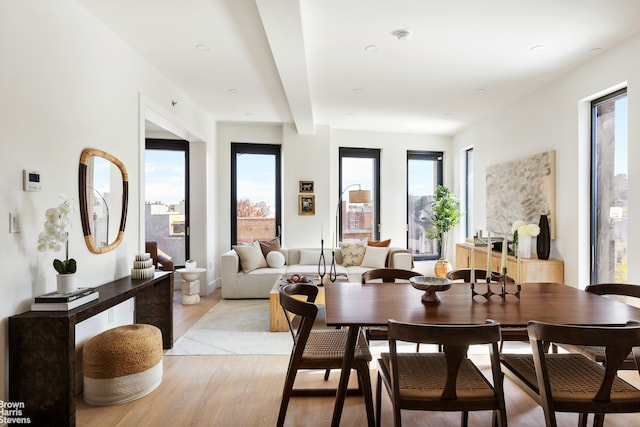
point(355, 196)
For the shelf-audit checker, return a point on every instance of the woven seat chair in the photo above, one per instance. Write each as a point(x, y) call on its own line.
point(318, 349)
point(570, 382)
point(443, 381)
point(508, 333)
point(597, 352)
point(384, 275)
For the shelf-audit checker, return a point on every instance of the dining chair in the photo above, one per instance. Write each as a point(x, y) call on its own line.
point(442, 381)
point(318, 348)
point(508, 333)
point(385, 275)
point(597, 352)
point(570, 382)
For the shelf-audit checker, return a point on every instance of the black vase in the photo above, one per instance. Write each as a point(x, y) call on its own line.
point(543, 242)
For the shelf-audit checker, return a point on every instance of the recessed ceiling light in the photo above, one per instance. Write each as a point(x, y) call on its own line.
point(234, 91)
point(202, 47)
point(537, 48)
point(357, 91)
point(371, 48)
point(402, 34)
point(481, 90)
point(595, 50)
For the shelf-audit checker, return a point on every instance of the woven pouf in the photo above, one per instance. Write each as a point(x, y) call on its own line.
point(122, 364)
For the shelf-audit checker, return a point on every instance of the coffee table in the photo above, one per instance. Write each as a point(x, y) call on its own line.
point(277, 321)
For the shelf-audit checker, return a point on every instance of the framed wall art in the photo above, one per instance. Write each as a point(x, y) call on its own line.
point(306, 204)
point(306, 186)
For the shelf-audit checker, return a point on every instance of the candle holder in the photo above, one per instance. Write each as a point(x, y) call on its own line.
point(501, 280)
point(322, 265)
point(333, 273)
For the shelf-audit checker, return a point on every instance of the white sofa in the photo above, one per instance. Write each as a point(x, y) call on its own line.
point(257, 283)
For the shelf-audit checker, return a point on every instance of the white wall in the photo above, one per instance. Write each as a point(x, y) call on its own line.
point(557, 117)
point(315, 158)
point(68, 83)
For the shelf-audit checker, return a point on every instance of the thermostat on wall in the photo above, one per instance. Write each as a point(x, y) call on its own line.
point(31, 180)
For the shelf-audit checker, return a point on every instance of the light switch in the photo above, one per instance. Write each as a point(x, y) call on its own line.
point(14, 223)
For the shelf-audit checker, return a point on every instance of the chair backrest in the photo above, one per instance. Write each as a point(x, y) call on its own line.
point(464, 274)
point(388, 275)
point(455, 341)
point(300, 313)
point(618, 342)
point(622, 289)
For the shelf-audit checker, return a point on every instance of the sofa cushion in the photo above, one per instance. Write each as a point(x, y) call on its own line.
point(375, 257)
point(267, 246)
point(312, 256)
point(250, 256)
point(352, 253)
point(379, 243)
point(275, 259)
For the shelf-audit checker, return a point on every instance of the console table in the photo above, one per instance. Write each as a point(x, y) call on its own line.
point(42, 351)
point(531, 269)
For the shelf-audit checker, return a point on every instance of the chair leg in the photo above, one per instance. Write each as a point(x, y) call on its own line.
point(464, 420)
point(326, 374)
point(286, 394)
point(364, 376)
point(598, 420)
point(582, 420)
point(378, 399)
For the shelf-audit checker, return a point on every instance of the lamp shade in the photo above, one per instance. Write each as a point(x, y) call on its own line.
point(359, 196)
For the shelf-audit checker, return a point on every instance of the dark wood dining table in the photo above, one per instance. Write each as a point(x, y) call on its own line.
point(371, 304)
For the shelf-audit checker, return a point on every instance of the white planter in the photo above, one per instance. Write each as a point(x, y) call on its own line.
point(66, 283)
point(524, 246)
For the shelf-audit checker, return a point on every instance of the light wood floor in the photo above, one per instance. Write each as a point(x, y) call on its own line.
point(246, 391)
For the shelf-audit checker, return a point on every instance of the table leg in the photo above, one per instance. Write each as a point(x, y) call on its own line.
point(347, 361)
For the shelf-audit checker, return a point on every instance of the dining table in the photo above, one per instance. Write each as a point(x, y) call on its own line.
point(355, 305)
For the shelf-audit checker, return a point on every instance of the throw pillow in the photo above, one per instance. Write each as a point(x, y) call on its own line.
point(251, 257)
point(379, 243)
point(312, 256)
point(375, 257)
point(275, 259)
point(269, 245)
point(352, 253)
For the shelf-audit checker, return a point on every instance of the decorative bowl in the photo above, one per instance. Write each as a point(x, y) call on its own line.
point(430, 285)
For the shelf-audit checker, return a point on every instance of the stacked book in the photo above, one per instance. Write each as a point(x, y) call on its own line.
point(54, 301)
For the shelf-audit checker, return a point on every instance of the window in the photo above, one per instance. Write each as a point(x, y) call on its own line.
point(468, 194)
point(609, 186)
point(167, 197)
point(358, 219)
point(424, 173)
point(255, 192)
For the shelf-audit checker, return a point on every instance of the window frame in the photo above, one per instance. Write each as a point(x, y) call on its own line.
point(254, 148)
point(438, 157)
point(183, 146)
point(364, 153)
point(594, 172)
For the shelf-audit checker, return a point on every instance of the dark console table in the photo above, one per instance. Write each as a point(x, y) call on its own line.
point(42, 353)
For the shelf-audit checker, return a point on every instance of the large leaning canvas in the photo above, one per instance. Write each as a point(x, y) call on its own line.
point(522, 190)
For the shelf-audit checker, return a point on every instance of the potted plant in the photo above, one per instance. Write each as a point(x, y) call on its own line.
point(445, 215)
point(54, 236)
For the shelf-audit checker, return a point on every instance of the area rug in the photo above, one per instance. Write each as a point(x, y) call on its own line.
point(233, 327)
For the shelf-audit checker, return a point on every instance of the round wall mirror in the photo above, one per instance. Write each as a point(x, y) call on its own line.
point(103, 187)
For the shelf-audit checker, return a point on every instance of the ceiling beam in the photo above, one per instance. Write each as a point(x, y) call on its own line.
point(282, 22)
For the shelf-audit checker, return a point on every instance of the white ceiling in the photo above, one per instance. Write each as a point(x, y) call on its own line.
point(304, 61)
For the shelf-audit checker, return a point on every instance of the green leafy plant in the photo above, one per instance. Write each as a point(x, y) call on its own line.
point(56, 233)
point(446, 215)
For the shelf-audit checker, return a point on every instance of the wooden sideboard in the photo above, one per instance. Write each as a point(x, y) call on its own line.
point(531, 269)
point(42, 352)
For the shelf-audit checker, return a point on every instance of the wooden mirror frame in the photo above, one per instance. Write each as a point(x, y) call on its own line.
point(84, 211)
